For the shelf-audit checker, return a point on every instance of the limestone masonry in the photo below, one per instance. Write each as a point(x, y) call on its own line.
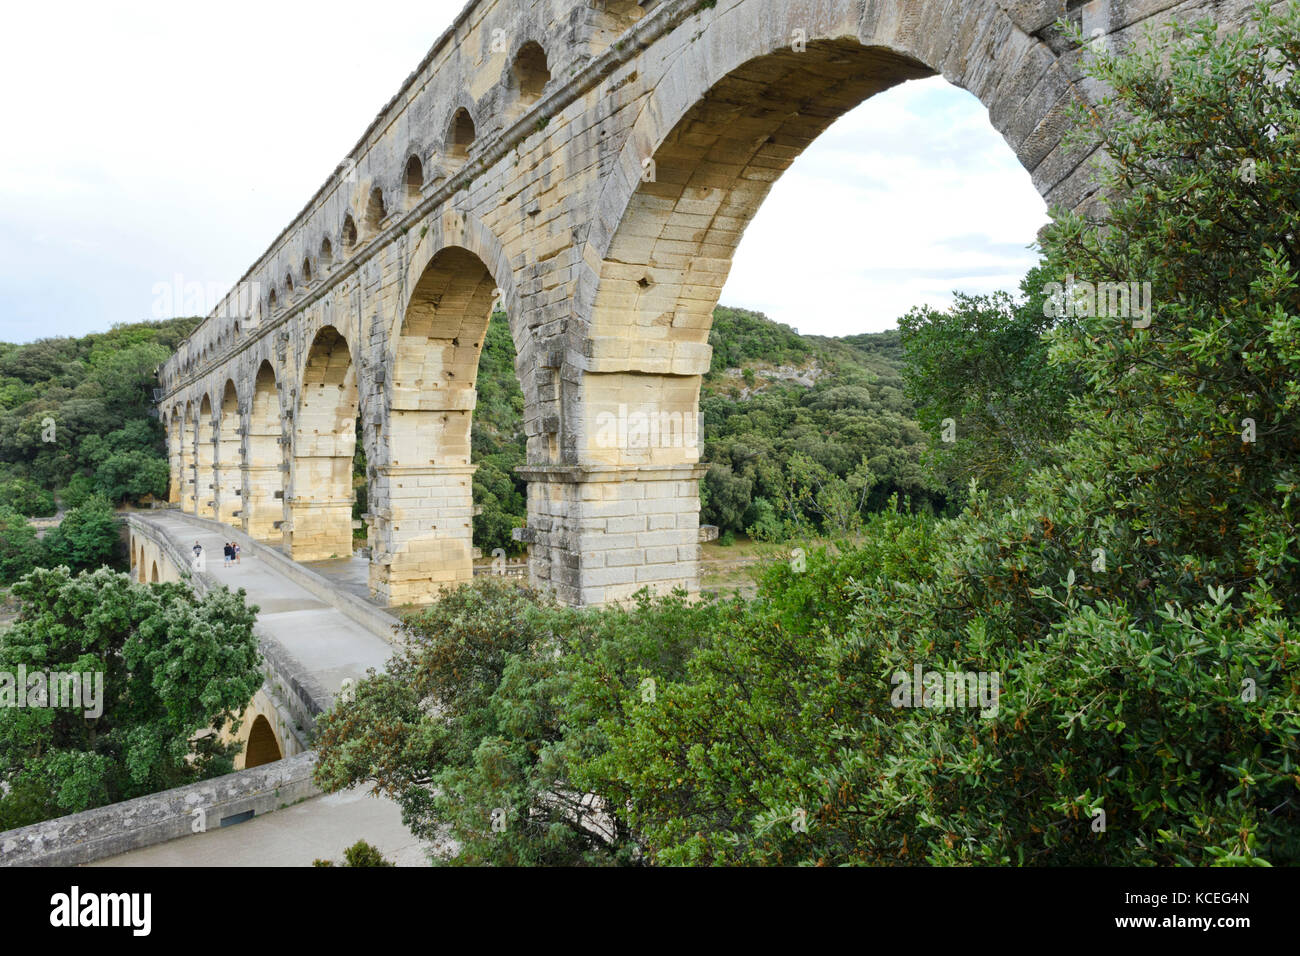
point(589, 166)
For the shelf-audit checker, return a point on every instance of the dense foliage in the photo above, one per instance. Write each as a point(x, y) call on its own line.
point(174, 670)
point(816, 453)
point(498, 444)
point(1137, 599)
point(87, 538)
point(74, 416)
point(358, 854)
point(984, 389)
point(473, 726)
point(801, 434)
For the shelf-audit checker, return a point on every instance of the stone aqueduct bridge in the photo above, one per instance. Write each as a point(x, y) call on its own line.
point(589, 166)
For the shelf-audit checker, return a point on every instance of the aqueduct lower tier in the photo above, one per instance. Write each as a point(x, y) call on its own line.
point(589, 166)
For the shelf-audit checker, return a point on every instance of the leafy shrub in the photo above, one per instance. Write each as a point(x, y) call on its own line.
point(148, 733)
point(27, 498)
point(88, 537)
point(20, 550)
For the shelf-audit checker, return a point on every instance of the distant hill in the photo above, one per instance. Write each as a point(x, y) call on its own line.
point(75, 416)
point(788, 420)
point(798, 428)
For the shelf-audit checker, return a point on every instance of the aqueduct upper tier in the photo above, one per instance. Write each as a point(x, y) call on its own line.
point(589, 166)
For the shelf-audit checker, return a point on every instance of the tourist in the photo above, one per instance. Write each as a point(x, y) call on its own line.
point(235, 545)
point(229, 552)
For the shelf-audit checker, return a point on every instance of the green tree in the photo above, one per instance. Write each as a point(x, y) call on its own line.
point(20, 549)
point(133, 475)
point(360, 853)
point(498, 444)
point(88, 537)
point(174, 670)
point(490, 762)
point(27, 498)
point(983, 387)
point(72, 404)
point(503, 507)
point(77, 492)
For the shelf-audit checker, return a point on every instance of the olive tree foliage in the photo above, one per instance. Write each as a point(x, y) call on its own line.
point(173, 670)
point(479, 725)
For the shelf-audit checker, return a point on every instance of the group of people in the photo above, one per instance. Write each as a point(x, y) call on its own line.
point(230, 548)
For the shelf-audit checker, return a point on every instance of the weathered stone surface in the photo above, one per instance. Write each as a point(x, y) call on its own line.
point(589, 168)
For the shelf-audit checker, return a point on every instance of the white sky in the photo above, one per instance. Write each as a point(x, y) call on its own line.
point(165, 139)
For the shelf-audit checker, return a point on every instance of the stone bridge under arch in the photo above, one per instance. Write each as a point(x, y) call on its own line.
point(589, 166)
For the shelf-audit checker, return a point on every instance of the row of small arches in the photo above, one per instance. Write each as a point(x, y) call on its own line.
point(530, 74)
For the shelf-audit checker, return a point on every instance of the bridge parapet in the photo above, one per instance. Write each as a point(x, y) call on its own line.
point(145, 821)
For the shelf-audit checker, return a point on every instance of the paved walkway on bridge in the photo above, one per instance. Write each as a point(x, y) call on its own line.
point(332, 647)
point(328, 643)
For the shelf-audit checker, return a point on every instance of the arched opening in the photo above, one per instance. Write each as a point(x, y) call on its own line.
point(272, 301)
point(188, 441)
point(349, 233)
point(140, 565)
point(229, 459)
point(175, 455)
point(718, 153)
point(288, 284)
point(153, 578)
point(306, 271)
point(205, 475)
point(414, 181)
point(326, 254)
point(530, 73)
point(320, 524)
point(262, 747)
point(461, 136)
point(265, 505)
point(707, 180)
point(375, 212)
point(422, 501)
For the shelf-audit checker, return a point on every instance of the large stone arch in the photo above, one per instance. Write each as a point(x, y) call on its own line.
point(189, 439)
point(754, 87)
point(977, 46)
point(324, 441)
point(421, 494)
point(264, 462)
point(229, 458)
point(205, 475)
point(263, 745)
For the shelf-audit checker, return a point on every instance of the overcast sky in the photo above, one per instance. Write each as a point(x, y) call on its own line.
point(160, 139)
